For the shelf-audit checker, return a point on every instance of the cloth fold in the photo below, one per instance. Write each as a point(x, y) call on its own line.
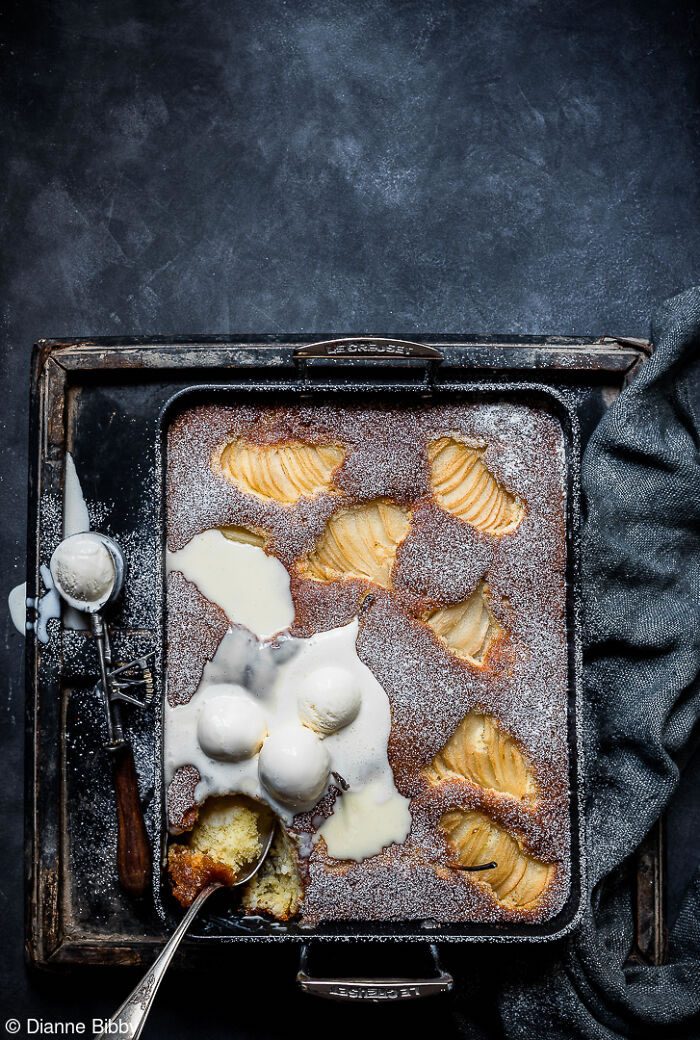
point(640, 481)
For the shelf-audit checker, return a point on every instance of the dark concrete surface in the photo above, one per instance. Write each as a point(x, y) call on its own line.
point(364, 165)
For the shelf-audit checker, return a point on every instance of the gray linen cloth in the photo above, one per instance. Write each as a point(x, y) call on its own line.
point(641, 588)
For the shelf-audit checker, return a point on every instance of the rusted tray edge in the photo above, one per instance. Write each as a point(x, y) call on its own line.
point(569, 353)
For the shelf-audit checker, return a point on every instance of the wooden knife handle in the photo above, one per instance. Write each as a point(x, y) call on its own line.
point(133, 847)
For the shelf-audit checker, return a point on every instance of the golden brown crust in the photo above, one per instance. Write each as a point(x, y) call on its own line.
point(191, 871)
point(193, 635)
point(183, 809)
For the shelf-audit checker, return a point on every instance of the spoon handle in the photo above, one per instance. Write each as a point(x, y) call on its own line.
point(128, 1022)
point(133, 846)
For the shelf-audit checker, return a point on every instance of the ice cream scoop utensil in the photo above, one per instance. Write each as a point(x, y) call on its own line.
point(89, 593)
point(88, 571)
point(90, 590)
point(128, 1022)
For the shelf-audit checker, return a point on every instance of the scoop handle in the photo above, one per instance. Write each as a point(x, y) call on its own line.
point(133, 846)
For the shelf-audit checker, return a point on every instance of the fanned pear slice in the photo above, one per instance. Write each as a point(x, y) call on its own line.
point(359, 542)
point(463, 486)
point(518, 880)
point(283, 473)
point(467, 629)
point(483, 753)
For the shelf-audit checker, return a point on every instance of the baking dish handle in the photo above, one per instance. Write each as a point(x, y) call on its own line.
point(369, 348)
point(375, 991)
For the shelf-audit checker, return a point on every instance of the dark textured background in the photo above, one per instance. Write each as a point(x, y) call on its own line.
point(357, 165)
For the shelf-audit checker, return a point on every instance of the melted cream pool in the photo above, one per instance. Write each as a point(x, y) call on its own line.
point(366, 820)
point(253, 590)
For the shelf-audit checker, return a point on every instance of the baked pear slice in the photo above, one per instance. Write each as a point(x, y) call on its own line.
point(281, 473)
point(483, 753)
point(464, 486)
point(518, 880)
point(359, 542)
point(468, 628)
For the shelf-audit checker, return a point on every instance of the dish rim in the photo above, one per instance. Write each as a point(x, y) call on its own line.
point(258, 929)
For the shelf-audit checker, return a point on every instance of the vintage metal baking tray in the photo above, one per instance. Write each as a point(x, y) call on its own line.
point(108, 403)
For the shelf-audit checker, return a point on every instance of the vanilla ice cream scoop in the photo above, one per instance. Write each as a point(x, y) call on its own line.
point(231, 726)
point(294, 766)
point(329, 700)
point(83, 568)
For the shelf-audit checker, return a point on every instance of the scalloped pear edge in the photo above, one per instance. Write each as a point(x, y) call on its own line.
point(482, 752)
point(467, 629)
point(359, 542)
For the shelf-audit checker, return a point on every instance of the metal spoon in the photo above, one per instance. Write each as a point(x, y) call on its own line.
point(129, 1020)
point(133, 846)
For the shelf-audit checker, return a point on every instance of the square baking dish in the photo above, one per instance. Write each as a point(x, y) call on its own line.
point(227, 925)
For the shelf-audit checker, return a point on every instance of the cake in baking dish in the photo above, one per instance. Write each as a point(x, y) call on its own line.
point(367, 637)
